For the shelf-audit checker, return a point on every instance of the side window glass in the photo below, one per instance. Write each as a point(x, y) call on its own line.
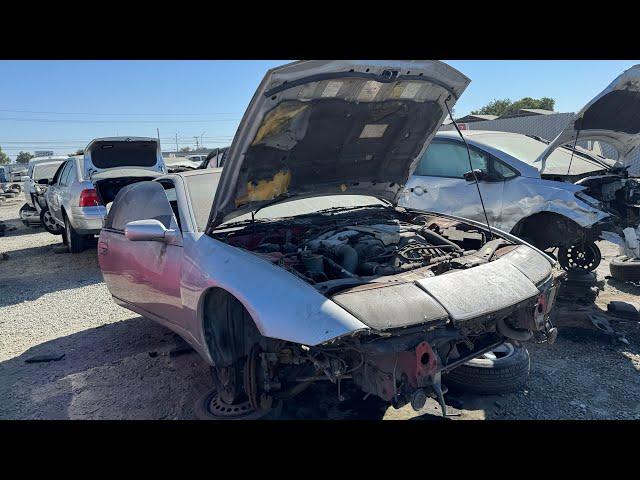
point(140, 201)
point(502, 170)
point(65, 173)
point(58, 174)
point(447, 159)
point(478, 160)
point(73, 175)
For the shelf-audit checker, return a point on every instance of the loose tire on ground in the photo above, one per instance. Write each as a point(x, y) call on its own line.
point(504, 370)
point(625, 269)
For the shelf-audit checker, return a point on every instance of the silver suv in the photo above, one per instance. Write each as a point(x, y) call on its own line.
point(83, 188)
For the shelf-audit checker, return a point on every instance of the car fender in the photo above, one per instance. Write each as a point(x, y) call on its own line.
point(281, 305)
point(536, 196)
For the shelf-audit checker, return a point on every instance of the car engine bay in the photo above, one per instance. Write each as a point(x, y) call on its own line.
point(336, 251)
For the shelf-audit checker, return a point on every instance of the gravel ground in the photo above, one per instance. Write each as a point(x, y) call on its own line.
point(117, 365)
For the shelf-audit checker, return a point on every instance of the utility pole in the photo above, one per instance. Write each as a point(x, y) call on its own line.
point(197, 144)
point(176, 143)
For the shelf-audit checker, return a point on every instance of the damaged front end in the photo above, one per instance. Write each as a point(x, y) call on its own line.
point(433, 291)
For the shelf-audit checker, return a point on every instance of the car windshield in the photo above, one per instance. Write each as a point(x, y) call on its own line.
point(45, 170)
point(527, 149)
point(305, 206)
point(202, 189)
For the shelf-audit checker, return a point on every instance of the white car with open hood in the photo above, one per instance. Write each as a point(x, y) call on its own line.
point(293, 264)
point(553, 194)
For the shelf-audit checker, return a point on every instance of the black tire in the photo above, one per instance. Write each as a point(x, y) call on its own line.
point(505, 373)
point(75, 241)
point(49, 224)
point(625, 269)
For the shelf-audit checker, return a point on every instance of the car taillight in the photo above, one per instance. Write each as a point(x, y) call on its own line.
point(89, 198)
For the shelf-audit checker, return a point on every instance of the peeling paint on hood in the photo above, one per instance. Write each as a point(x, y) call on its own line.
point(318, 128)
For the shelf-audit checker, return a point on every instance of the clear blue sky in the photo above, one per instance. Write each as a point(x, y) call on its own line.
point(61, 105)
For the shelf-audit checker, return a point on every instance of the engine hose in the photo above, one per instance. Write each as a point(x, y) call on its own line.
point(429, 234)
point(504, 329)
point(347, 257)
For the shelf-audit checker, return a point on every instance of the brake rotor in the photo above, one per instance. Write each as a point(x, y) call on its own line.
point(580, 257)
point(257, 400)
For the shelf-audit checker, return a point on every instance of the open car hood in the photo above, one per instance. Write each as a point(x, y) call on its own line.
point(612, 116)
point(334, 127)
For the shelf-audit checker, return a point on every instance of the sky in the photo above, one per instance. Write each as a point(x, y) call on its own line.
point(62, 105)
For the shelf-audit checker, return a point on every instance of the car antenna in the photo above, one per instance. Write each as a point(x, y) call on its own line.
point(484, 210)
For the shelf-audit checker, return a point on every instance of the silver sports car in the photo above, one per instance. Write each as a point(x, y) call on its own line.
point(294, 264)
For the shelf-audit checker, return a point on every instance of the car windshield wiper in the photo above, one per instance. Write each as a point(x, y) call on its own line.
point(344, 209)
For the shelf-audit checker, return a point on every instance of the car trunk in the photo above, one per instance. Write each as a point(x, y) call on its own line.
point(109, 182)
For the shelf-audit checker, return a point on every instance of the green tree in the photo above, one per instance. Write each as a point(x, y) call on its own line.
point(506, 106)
point(4, 158)
point(185, 149)
point(23, 157)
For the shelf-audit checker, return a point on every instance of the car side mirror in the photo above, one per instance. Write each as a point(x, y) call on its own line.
point(42, 181)
point(149, 230)
point(479, 174)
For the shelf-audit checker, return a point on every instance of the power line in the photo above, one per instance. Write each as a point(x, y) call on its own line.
point(119, 114)
point(51, 120)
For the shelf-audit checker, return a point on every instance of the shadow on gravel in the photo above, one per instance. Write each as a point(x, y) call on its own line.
point(124, 370)
point(29, 273)
point(626, 287)
point(121, 370)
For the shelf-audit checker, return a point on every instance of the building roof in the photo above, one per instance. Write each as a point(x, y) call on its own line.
point(526, 112)
point(476, 118)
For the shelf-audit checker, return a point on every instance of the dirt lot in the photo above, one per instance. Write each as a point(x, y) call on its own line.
point(118, 365)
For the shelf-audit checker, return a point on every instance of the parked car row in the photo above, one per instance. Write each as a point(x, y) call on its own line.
point(338, 197)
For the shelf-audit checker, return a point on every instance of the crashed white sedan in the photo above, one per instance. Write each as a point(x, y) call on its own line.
point(553, 194)
point(303, 269)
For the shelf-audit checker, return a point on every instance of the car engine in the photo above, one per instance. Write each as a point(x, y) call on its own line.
point(351, 252)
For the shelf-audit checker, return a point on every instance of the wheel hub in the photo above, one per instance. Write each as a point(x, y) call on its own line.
point(580, 257)
point(221, 409)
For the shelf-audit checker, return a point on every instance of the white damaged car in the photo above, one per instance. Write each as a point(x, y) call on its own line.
point(553, 194)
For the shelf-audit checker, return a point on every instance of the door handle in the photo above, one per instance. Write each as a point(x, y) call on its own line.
point(419, 190)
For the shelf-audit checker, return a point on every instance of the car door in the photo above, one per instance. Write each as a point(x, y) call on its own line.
point(54, 190)
point(142, 274)
point(439, 185)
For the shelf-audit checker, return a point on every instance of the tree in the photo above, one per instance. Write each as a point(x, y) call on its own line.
point(185, 149)
point(4, 158)
point(506, 106)
point(23, 157)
